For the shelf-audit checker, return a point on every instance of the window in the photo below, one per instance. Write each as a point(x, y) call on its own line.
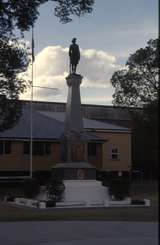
point(115, 154)
point(48, 148)
point(5, 147)
point(92, 149)
point(39, 148)
point(26, 148)
point(1, 147)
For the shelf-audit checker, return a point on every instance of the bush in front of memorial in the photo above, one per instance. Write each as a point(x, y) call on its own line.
point(119, 188)
point(56, 189)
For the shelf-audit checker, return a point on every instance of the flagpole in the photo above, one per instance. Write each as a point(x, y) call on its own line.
point(31, 127)
point(31, 111)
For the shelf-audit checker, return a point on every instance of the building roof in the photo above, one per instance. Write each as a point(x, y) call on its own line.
point(88, 123)
point(43, 127)
point(50, 125)
point(103, 112)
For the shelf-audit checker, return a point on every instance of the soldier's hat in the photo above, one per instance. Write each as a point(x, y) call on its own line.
point(74, 39)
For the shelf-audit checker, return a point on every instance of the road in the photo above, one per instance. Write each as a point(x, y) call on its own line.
point(78, 233)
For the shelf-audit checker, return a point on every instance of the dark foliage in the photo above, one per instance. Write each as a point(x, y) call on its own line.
point(10, 112)
point(145, 140)
point(137, 85)
point(10, 199)
point(56, 189)
point(21, 15)
point(137, 202)
point(19, 188)
point(119, 188)
point(30, 188)
point(67, 8)
point(50, 203)
point(13, 60)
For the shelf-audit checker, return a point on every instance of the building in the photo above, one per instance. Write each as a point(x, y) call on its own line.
point(108, 146)
point(117, 115)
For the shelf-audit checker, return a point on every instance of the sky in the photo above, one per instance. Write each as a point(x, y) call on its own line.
point(114, 30)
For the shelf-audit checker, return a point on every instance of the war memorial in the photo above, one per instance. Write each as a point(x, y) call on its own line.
point(81, 186)
point(73, 181)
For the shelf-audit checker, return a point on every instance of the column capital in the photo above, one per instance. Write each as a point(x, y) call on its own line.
point(74, 79)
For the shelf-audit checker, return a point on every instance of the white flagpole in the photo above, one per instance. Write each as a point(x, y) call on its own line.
point(31, 112)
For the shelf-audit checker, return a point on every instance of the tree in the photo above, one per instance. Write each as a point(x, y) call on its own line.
point(13, 60)
point(22, 14)
point(14, 57)
point(137, 85)
point(145, 139)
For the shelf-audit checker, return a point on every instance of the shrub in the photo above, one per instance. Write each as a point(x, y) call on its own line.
point(10, 199)
point(119, 188)
point(50, 203)
point(56, 189)
point(137, 202)
point(30, 188)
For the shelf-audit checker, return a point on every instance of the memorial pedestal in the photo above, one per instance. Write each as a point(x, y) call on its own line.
point(81, 186)
point(86, 192)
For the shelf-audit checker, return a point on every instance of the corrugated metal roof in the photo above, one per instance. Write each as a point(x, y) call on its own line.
point(50, 125)
point(43, 127)
point(93, 124)
point(99, 112)
point(88, 123)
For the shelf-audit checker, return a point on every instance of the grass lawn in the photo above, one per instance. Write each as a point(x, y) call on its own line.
point(146, 190)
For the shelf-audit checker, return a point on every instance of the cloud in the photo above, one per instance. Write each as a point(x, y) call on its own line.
point(51, 66)
point(97, 67)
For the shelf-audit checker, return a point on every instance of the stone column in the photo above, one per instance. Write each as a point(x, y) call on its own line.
point(73, 122)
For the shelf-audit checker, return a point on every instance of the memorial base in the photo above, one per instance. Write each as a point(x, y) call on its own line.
point(87, 192)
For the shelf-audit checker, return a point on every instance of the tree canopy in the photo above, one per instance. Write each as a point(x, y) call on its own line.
point(137, 85)
point(14, 57)
point(22, 14)
point(13, 60)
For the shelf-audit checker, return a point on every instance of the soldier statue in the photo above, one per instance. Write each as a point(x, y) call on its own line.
point(74, 55)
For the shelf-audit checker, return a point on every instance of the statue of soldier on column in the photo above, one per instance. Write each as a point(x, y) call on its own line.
point(74, 55)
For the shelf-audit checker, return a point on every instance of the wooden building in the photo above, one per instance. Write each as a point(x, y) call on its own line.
point(108, 146)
